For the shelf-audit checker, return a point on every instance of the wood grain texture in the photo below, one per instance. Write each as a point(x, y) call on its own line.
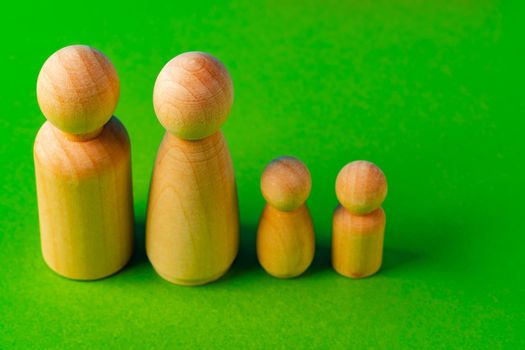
point(285, 235)
point(193, 95)
point(359, 222)
point(285, 241)
point(84, 201)
point(286, 183)
point(361, 187)
point(192, 230)
point(357, 242)
point(78, 89)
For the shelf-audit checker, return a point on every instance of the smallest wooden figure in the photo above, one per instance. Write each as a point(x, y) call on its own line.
point(359, 222)
point(285, 236)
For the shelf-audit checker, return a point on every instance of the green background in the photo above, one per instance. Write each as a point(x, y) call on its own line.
point(430, 91)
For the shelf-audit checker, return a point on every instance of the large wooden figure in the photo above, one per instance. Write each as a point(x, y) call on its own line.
point(82, 165)
point(192, 229)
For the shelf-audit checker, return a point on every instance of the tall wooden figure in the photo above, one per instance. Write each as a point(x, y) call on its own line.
point(192, 229)
point(359, 222)
point(82, 165)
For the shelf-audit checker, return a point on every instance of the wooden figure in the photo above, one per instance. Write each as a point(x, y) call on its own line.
point(82, 165)
point(192, 229)
point(285, 236)
point(359, 222)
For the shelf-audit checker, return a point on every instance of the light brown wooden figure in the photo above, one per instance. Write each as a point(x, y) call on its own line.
point(192, 228)
point(359, 222)
point(361, 187)
point(82, 165)
point(357, 242)
point(285, 236)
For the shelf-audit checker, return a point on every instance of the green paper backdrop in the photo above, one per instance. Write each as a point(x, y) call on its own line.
point(431, 91)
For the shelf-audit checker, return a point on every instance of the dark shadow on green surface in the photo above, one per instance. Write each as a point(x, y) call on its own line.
point(139, 249)
point(321, 260)
point(246, 260)
point(247, 257)
point(396, 259)
point(422, 247)
point(138, 257)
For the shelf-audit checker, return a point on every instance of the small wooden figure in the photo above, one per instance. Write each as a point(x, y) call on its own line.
point(192, 229)
point(359, 222)
point(285, 236)
point(82, 165)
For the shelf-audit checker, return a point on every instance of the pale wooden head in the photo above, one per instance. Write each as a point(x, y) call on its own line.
point(361, 187)
point(286, 183)
point(193, 95)
point(78, 89)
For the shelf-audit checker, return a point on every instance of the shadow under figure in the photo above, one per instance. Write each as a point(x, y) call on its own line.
point(246, 260)
point(139, 256)
point(396, 259)
point(321, 261)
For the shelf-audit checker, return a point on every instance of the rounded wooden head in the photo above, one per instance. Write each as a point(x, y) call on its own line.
point(361, 187)
point(286, 183)
point(78, 89)
point(193, 95)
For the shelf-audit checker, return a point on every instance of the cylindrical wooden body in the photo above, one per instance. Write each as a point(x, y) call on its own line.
point(285, 241)
point(192, 228)
point(85, 201)
point(357, 242)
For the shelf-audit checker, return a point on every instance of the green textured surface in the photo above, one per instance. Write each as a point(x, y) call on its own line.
point(431, 92)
